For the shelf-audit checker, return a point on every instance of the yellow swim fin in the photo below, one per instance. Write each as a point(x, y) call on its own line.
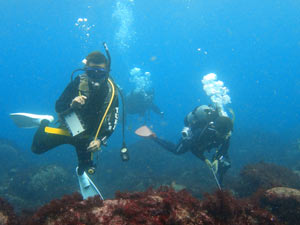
point(58, 131)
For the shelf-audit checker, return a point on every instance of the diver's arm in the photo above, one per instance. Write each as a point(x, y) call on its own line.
point(199, 153)
point(64, 101)
point(178, 149)
point(223, 150)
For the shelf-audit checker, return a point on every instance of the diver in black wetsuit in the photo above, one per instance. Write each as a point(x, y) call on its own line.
point(140, 102)
point(93, 97)
point(205, 129)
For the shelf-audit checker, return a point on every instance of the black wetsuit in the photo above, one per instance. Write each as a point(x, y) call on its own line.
point(98, 94)
point(203, 139)
point(139, 102)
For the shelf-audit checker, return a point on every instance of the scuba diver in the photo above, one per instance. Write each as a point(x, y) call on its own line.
point(140, 102)
point(205, 129)
point(87, 113)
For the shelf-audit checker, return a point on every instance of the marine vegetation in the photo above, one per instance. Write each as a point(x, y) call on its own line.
point(161, 206)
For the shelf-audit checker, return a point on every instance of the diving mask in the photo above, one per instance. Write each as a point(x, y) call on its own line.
point(96, 72)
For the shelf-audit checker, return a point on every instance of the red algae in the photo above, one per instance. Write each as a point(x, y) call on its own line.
point(68, 210)
point(225, 209)
point(163, 206)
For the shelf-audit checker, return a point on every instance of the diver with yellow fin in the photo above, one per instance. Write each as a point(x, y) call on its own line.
point(88, 112)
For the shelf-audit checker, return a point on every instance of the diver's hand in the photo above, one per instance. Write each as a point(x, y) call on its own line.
point(94, 146)
point(215, 166)
point(208, 163)
point(78, 101)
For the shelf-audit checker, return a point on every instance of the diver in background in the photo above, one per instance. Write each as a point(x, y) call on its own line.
point(205, 129)
point(140, 102)
point(89, 96)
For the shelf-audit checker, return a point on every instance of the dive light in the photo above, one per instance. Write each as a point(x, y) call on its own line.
point(124, 154)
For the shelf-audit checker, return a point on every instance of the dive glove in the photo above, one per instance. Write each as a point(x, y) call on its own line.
point(212, 165)
point(208, 163)
point(215, 166)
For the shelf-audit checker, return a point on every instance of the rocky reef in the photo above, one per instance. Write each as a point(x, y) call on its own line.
point(161, 206)
point(27, 185)
point(263, 176)
point(263, 193)
point(265, 205)
point(284, 203)
point(37, 185)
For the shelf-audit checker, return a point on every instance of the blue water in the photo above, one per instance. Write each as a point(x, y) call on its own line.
point(253, 47)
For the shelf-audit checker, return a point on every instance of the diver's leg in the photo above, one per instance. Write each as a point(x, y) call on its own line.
point(85, 161)
point(224, 165)
point(43, 142)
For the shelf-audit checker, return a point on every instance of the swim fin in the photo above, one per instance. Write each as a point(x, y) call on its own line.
point(28, 120)
point(87, 187)
point(145, 131)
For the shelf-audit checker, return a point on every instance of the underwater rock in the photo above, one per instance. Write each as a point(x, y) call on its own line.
point(284, 203)
point(34, 186)
point(263, 176)
point(283, 193)
point(155, 207)
point(177, 187)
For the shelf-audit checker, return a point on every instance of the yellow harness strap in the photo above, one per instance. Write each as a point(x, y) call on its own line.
point(58, 131)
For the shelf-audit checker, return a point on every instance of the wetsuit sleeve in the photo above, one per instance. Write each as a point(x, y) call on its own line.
point(178, 149)
point(199, 154)
point(223, 150)
point(64, 101)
